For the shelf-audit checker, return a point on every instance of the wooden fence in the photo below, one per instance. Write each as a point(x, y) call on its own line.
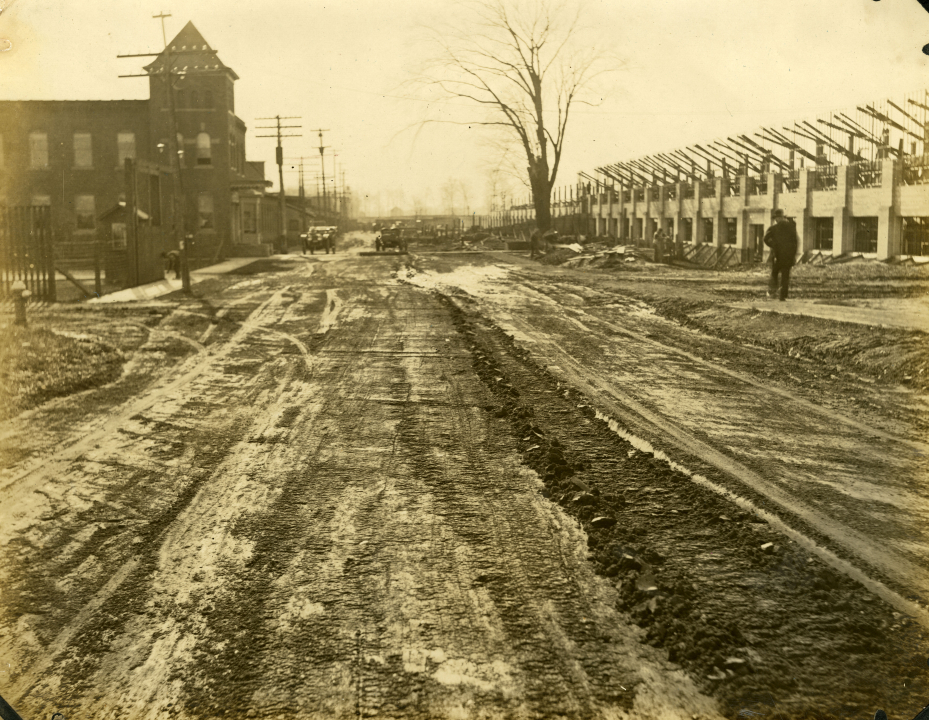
point(26, 251)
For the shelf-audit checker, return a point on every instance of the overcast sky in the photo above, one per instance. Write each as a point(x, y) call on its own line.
point(693, 71)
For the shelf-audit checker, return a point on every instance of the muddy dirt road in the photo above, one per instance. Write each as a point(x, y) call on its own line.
point(365, 487)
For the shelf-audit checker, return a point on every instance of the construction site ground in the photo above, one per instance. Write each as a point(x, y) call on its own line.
point(469, 486)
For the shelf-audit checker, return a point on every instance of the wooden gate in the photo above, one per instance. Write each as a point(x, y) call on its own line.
point(26, 251)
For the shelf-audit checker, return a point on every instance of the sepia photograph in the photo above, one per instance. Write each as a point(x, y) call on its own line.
point(464, 359)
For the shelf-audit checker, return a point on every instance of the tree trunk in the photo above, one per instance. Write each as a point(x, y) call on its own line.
point(541, 195)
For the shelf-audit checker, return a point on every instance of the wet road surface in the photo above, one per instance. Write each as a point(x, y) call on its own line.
point(313, 512)
point(859, 487)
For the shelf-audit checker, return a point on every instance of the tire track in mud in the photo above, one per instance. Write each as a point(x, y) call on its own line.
point(773, 631)
point(366, 589)
point(94, 619)
point(58, 461)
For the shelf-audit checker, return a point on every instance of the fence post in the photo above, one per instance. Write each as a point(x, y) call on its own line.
point(50, 257)
point(132, 235)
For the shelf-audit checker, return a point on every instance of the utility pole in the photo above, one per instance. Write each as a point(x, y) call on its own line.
point(175, 151)
point(301, 174)
point(322, 162)
point(302, 200)
point(343, 192)
point(280, 162)
point(335, 183)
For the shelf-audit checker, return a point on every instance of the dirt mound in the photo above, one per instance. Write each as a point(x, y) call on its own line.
point(557, 256)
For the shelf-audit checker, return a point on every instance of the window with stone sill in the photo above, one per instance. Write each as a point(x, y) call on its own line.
point(85, 212)
point(38, 150)
point(204, 149)
point(83, 150)
point(205, 211)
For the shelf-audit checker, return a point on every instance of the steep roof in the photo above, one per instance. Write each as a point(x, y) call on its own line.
point(190, 53)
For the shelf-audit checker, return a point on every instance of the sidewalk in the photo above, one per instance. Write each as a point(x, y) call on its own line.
point(163, 287)
point(906, 313)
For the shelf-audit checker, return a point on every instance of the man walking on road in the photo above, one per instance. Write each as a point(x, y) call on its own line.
point(535, 244)
point(782, 238)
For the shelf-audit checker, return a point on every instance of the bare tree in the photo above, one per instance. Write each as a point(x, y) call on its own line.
point(522, 63)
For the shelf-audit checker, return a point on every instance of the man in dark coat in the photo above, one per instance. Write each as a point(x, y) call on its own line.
point(782, 238)
point(535, 244)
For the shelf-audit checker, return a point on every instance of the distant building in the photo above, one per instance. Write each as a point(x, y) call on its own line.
point(70, 155)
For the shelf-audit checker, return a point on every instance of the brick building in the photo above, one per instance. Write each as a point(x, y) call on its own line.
point(70, 155)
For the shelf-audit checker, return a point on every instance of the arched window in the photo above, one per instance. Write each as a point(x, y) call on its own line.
point(208, 99)
point(204, 149)
point(194, 99)
point(180, 99)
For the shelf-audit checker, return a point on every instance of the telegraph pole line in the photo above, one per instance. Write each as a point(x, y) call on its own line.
point(173, 149)
point(302, 200)
point(335, 183)
point(322, 162)
point(280, 162)
point(301, 175)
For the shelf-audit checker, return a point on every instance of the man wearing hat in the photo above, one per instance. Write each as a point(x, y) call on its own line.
point(539, 240)
point(782, 238)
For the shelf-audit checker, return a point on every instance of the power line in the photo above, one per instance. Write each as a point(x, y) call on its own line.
point(280, 160)
point(322, 162)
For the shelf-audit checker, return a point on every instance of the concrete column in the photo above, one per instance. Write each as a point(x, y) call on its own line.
point(633, 214)
point(609, 213)
point(719, 230)
point(698, 238)
point(889, 233)
point(889, 224)
point(804, 224)
point(647, 215)
point(843, 232)
point(741, 236)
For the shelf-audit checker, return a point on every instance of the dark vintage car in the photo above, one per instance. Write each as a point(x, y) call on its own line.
point(319, 238)
point(391, 238)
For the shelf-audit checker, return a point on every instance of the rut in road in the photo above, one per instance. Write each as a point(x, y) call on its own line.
point(772, 625)
point(859, 494)
point(111, 492)
point(354, 534)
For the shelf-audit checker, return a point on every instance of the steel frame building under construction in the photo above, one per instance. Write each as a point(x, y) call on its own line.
point(853, 182)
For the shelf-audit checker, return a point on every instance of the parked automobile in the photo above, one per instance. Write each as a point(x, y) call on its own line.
point(391, 238)
point(320, 237)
